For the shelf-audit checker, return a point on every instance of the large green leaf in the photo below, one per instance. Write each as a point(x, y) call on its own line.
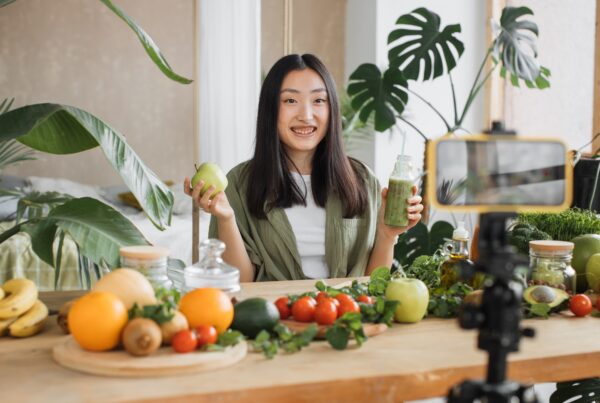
point(419, 241)
point(515, 46)
point(62, 129)
point(6, 2)
point(381, 94)
point(149, 45)
point(42, 238)
point(421, 48)
point(98, 229)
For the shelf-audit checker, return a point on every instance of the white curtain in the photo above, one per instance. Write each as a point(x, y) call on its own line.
point(228, 80)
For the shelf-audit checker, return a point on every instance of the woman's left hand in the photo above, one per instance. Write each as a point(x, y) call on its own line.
point(414, 215)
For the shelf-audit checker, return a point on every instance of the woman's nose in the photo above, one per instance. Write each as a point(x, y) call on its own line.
point(306, 112)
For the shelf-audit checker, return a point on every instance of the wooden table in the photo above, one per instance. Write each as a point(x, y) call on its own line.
point(406, 362)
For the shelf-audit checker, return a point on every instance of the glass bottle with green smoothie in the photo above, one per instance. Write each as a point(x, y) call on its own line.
point(399, 191)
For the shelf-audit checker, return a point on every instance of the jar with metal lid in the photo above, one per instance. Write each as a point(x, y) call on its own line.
point(550, 264)
point(149, 260)
point(211, 270)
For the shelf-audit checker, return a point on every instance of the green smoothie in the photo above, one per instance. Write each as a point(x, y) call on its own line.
point(399, 190)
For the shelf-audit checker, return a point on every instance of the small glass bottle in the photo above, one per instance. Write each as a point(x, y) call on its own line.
point(149, 260)
point(212, 271)
point(550, 264)
point(456, 250)
point(399, 190)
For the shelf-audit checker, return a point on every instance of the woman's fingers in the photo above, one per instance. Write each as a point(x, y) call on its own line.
point(186, 187)
point(196, 192)
point(205, 201)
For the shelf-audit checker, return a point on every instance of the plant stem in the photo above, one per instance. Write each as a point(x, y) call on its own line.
point(431, 106)
point(474, 95)
point(469, 98)
point(12, 231)
point(413, 126)
point(594, 190)
point(453, 98)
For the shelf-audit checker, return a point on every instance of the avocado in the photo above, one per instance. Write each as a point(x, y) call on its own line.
point(253, 315)
point(543, 294)
point(585, 246)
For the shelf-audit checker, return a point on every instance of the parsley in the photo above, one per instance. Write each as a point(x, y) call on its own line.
point(348, 325)
point(283, 338)
point(378, 281)
point(227, 339)
point(446, 303)
point(163, 311)
point(382, 311)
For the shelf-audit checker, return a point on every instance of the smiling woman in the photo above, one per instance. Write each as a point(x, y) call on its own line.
point(301, 208)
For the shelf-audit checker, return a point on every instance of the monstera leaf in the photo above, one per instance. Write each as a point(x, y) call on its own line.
point(515, 46)
point(381, 94)
point(422, 48)
point(61, 129)
point(419, 241)
point(580, 391)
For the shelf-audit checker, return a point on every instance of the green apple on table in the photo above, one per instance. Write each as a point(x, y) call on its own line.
point(592, 272)
point(212, 175)
point(413, 296)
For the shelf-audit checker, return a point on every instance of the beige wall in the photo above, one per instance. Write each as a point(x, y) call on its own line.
point(318, 27)
point(79, 53)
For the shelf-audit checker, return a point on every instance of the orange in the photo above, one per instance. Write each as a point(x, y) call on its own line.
point(96, 320)
point(208, 307)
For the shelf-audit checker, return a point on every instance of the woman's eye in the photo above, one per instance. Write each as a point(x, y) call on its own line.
point(321, 101)
point(289, 101)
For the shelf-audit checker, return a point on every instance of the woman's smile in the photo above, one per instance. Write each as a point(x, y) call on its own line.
point(304, 131)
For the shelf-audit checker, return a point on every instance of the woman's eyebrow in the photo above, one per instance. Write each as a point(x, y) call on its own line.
point(292, 90)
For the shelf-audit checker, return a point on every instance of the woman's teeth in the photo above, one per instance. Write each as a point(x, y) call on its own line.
point(303, 130)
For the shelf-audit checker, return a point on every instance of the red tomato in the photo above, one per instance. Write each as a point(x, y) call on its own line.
point(206, 335)
point(348, 305)
point(321, 296)
point(283, 306)
point(184, 341)
point(326, 312)
point(598, 304)
point(343, 297)
point(580, 305)
point(303, 309)
point(365, 299)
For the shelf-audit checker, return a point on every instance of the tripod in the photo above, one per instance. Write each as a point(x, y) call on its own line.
point(497, 318)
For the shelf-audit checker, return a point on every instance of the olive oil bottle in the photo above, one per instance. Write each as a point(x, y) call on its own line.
point(456, 250)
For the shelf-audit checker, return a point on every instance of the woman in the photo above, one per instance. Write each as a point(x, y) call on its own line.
point(301, 208)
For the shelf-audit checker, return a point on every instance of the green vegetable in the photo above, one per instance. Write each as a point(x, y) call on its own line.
point(163, 311)
point(445, 303)
point(563, 226)
point(427, 269)
point(339, 333)
point(282, 337)
point(227, 339)
point(382, 311)
point(536, 310)
point(521, 233)
point(379, 280)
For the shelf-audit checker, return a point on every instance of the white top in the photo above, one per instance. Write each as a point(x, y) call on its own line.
point(308, 224)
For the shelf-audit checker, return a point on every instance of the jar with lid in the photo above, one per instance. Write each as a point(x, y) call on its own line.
point(212, 271)
point(550, 264)
point(149, 260)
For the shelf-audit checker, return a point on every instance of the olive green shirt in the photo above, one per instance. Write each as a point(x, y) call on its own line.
point(271, 243)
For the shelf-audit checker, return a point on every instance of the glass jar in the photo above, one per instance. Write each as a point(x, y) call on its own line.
point(149, 260)
point(550, 264)
point(212, 271)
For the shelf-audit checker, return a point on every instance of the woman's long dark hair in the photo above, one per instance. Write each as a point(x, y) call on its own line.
point(270, 183)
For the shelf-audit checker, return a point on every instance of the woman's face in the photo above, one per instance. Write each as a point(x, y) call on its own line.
point(303, 112)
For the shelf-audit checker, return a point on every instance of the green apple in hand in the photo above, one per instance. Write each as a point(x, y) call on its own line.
point(211, 174)
point(413, 296)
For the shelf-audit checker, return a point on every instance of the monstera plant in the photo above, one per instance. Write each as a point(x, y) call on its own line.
point(96, 228)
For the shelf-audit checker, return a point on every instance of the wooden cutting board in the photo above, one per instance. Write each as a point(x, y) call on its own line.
point(370, 329)
point(164, 362)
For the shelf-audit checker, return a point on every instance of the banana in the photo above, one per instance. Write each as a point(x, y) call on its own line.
point(22, 294)
point(32, 322)
point(2, 293)
point(4, 323)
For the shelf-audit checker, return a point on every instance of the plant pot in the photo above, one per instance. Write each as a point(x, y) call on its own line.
point(585, 179)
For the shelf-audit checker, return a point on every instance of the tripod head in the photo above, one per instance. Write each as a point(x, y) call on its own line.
point(498, 316)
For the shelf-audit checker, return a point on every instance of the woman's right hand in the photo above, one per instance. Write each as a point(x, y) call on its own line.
point(218, 206)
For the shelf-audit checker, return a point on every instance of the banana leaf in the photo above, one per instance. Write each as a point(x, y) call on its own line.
point(98, 230)
point(6, 2)
point(62, 129)
point(380, 94)
point(419, 241)
point(423, 49)
point(515, 46)
point(151, 49)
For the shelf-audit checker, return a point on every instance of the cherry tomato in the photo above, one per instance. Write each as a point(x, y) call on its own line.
point(365, 299)
point(303, 309)
point(598, 303)
point(326, 312)
point(283, 306)
point(580, 305)
point(184, 341)
point(321, 296)
point(206, 334)
point(343, 297)
point(348, 305)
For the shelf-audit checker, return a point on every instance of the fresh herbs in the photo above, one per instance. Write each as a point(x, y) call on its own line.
point(427, 269)
point(227, 339)
point(542, 310)
point(340, 332)
point(283, 338)
point(355, 289)
point(520, 235)
point(382, 311)
point(564, 226)
point(163, 311)
point(445, 303)
point(380, 277)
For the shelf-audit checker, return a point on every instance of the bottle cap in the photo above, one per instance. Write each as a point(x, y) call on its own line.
point(460, 232)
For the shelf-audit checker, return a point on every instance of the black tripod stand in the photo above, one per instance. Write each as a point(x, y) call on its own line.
point(497, 318)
